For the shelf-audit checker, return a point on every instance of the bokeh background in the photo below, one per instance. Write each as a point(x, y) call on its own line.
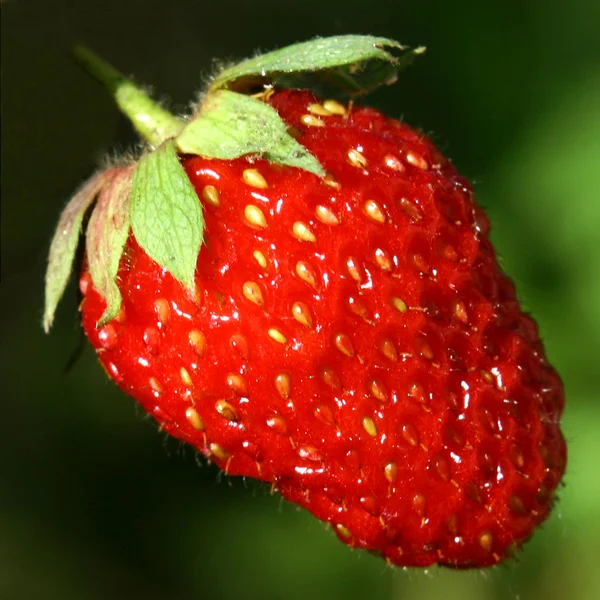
point(95, 503)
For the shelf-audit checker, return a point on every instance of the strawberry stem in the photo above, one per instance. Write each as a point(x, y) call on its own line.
point(154, 123)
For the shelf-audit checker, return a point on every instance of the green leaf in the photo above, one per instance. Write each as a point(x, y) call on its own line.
point(107, 233)
point(166, 216)
point(230, 125)
point(64, 245)
point(354, 63)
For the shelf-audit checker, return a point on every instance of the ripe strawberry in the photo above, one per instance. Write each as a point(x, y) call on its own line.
point(346, 332)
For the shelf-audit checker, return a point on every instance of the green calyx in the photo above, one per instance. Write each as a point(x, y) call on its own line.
point(231, 125)
point(355, 64)
point(166, 215)
point(154, 198)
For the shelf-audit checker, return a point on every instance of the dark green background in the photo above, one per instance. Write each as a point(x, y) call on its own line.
point(94, 502)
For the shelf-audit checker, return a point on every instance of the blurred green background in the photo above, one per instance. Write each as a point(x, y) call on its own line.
point(94, 502)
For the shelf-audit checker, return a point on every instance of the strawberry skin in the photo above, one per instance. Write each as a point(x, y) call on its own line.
point(353, 341)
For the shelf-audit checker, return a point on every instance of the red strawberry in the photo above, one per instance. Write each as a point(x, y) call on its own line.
point(346, 333)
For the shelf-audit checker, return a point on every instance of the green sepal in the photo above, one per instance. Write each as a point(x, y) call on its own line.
point(230, 125)
point(166, 216)
point(64, 244)
point(107, 232)
point(356, 64)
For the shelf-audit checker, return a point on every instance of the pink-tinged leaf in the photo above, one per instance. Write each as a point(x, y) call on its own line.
point(107, 233)
point(64, 244)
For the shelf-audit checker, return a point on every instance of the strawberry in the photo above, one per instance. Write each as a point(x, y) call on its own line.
point(305, 291)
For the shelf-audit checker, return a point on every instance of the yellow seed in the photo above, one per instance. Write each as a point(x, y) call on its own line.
point(356, 159)
point(226, 410)
point(486, 540)
point(334, 107)
point(448, 251)
point(416, 160)
point(198, 341)
point(252, 292)
point(391, 472)
point(312, 121)
point(442, 468)
point(357, 306)
point(516, 505)
point(309, 453)
point(378, 390)
point(260, 258)
point(211, 194)
point(276, 335)
point(418, 504)
point(410, 209)
point(278, 425)
point(417, 391)
point(343, 531)
point(219, 451)
point(487, 376)
point(389, 350)
point(460, 311)
point(255, 216)
point(303, 232)
point(306, 273)
point(155, 385)
point(194, 418)
point(374, 211)
point(185, 376)
point(332, 182)
point(392, 162)
point(283, 385)
point(383, 260)
point(353, 269)
point(420, 262)
point(301, 313)
point(426, 351)
point(518, 459)
point(398, 304)
point(120, 318)
point(369, 426)
point(409, 433)
point(318, 109)
point(237, 384)
point(343, 344)
point(239, 343)
point(326, 215)
point(162, 310)
point(254, 178)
